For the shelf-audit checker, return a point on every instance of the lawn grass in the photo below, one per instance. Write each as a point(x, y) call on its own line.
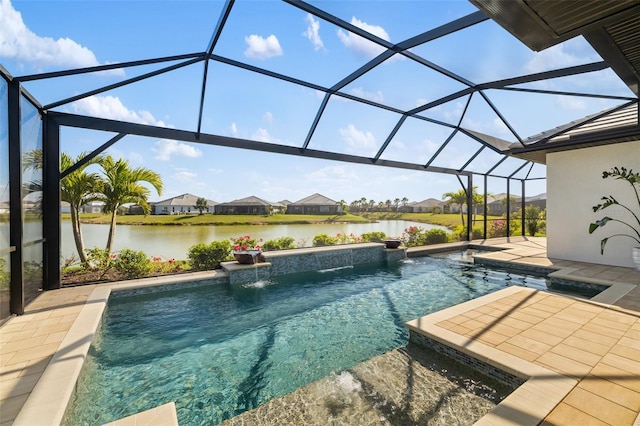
point(450, 220)
point(219, 220)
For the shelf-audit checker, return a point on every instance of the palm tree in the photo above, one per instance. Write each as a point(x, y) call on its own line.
point(396, 203)
point(388, 204)
point(202, 204)
point(121, 184)
point(459, 198)
point(404, 202)
point(78, 188)
point(344, 208)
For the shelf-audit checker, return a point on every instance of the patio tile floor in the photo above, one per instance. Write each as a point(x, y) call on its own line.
point(595, 343)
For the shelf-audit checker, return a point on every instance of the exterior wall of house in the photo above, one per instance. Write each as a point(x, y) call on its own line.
point(311, 209)
point(574, 186)
point(235, 209)
point(163, 209)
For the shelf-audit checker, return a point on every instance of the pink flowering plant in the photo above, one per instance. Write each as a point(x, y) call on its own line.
point(246, 243)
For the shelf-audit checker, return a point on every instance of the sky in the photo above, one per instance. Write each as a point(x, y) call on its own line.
point(51, 35)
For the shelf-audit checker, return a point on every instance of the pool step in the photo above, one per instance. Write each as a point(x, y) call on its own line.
point(163, 415)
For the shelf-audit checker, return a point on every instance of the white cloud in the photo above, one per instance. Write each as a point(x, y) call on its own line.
point(571, 103)
point(362, 46)
point(372, 96)
point(570, 53)
point(261, 135)
point(184, 176)
point(361, 142)
point(234, 129)
point(452, 114)
point(494, 127)
point(215, 171)
point(135, 158)
point(112, 108)
point(334, 174)
point(165, 148)
point(267, 118)
point(19, 43)
point(313, 32)
point(262, 48)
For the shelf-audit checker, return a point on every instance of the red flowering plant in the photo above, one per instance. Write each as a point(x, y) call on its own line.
point(246, 243)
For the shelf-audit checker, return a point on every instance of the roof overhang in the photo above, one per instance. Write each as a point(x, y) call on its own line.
point(611, 27)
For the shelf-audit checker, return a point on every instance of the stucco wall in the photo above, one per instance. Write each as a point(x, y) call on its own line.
point(574, 186)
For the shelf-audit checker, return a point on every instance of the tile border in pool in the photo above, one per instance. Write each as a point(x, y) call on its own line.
point(52, 393)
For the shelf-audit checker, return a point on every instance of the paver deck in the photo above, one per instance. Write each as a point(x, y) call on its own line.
point(591, 348)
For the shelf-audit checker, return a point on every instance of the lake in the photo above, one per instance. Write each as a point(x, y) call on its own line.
point(174, 241)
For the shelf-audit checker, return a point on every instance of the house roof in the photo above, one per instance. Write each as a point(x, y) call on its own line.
point(182, 200)
point(250, 201)
point(613, 125)
point(428, 203)
point(316, 200)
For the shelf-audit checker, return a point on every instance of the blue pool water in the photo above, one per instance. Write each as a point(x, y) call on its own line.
point(219, 350)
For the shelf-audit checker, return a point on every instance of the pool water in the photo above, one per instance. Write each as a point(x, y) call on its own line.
point(219, 350)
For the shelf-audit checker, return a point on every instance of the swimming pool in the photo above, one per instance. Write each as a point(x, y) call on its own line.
point(219, 350)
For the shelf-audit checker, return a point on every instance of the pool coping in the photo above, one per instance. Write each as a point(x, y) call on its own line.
point(51, 395)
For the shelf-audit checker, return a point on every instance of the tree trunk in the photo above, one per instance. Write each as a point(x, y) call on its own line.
point(112, 230)
point(77, 234)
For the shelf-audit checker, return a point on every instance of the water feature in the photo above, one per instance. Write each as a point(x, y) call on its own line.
point(219, 350)
point(174, 241)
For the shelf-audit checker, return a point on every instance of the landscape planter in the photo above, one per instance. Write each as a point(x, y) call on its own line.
point(392, 244)
point(248, 257)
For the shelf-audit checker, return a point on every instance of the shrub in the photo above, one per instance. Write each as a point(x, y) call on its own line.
point(132, 264)
point(209, 256)
point(324, 240)
point(532, 219)
point(99, 258)
point(413, 236)
point(346, 239)
point(282, 243)
point(169, 266)
point(498, 228)
point(436, 236)
point(374, 237)
point(460, 233)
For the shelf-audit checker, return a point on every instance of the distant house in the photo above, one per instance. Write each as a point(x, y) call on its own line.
point(93, 207)
point(430, 205)
point(497, 204)
point(135, 209)
point(249, 205)
point(65, 207)
point(182, 204)
point(314, 204)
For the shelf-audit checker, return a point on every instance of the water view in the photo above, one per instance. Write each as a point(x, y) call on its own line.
point(174, 241)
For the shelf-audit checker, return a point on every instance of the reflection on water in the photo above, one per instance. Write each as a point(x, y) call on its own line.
point(174, 241)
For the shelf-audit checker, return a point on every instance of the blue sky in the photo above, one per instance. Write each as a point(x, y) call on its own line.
point(43, 36)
